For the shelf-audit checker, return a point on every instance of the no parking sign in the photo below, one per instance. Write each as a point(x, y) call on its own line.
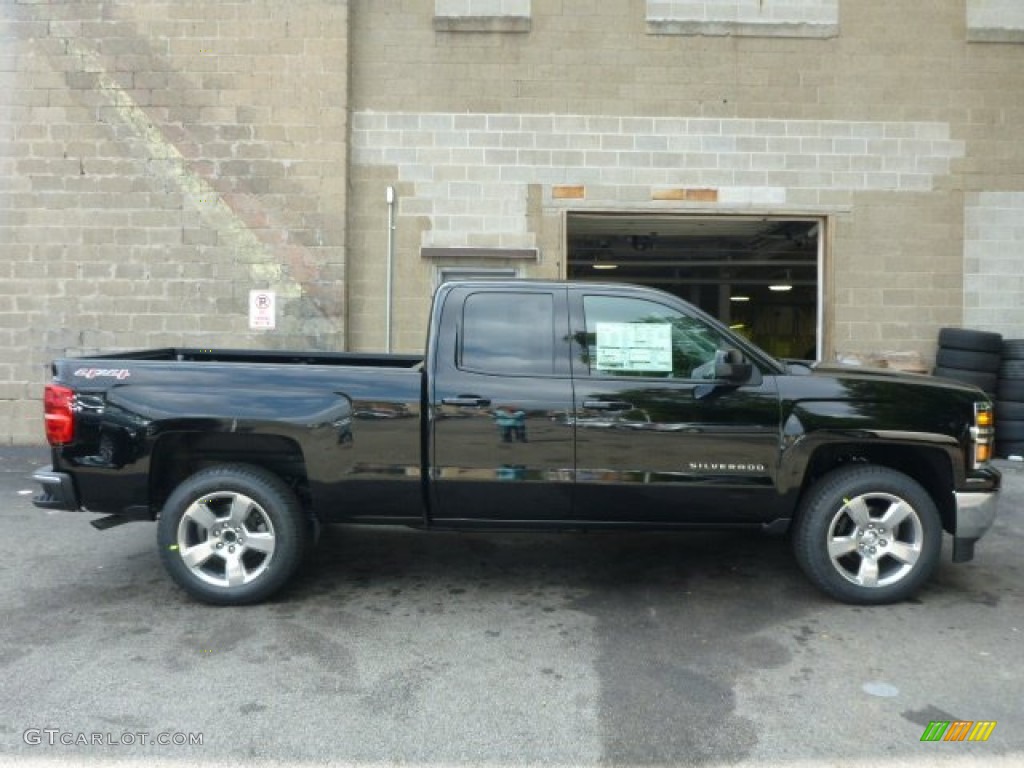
point(262, 310)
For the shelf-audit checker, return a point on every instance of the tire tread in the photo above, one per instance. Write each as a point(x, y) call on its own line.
point(971, 340)
point(968, 360)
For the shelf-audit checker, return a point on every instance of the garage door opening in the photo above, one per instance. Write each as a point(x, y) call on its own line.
point(761, 276)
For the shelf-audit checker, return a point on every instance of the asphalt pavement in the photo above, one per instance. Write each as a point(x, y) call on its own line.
point(400, 647)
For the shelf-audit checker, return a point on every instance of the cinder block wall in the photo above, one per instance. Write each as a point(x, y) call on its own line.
point(895, 125)
point(159, 160)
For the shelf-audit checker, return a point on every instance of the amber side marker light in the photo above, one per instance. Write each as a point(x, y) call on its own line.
point(983, 433)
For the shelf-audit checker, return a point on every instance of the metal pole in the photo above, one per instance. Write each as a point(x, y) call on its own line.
point(391, 262)
point(819, 320)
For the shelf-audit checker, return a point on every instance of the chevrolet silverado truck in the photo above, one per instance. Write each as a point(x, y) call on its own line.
point(538, 405)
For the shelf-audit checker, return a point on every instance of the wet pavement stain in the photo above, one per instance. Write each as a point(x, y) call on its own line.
point(659, 607)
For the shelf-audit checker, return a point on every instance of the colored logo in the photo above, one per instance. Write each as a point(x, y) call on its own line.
point(958, 730)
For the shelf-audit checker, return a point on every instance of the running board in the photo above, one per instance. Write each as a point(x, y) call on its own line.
point(110, 521)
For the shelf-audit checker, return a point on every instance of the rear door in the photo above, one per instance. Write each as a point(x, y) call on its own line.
point(500, 399)
point(658, 440)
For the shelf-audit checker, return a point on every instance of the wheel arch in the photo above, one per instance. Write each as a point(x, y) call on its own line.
point(179, 455)
point(930, 466)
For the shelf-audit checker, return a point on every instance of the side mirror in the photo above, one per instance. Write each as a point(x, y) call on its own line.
point(730, 366)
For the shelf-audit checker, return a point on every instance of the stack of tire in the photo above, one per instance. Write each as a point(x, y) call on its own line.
point(1010, 401)
point(973, 357)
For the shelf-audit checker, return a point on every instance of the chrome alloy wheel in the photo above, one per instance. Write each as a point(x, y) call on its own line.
point(875, 539)
point(226, 539)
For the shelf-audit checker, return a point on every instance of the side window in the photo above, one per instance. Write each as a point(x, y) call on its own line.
point(635, 337)
point(508, 333)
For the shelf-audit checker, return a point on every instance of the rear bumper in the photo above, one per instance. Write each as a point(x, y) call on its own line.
point(58, 490)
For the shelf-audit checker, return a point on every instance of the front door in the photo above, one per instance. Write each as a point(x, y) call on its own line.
point(659, 440)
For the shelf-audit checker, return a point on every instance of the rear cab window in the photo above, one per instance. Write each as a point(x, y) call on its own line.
point(508, 333)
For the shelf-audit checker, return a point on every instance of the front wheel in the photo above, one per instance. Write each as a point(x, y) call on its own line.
point(868, 535)
point(231, 534)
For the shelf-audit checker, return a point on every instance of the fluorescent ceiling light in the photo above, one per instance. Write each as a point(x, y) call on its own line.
point(783, 285)
point(739, 298)
point(599, 265)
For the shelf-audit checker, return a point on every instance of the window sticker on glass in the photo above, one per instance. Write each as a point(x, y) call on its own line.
point(634, 347)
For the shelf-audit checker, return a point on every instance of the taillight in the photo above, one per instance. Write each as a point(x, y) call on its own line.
point(58, 414)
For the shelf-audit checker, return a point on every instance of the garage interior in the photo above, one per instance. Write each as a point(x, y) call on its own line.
point(760, 276)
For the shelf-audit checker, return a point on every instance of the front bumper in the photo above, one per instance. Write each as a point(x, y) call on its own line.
point(58, 490)
point(975, 514)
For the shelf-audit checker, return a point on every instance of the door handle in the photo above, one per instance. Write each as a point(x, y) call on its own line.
point(608, 405)
point(465, 401)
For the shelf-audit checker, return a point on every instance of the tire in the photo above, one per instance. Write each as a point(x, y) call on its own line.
point(986, 381)
point(1012, 369)
point(1013, 349)
point(1005, 449)
point(846, 514)
point(1007, 410)
point(1009, 431)
point(232, 534)
point(1011, 390)
point(983, 362)
point(975, 341)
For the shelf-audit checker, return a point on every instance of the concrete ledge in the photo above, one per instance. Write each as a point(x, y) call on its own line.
point(487, 254)
point(741, 29)
point(994, 35)
point(496, 24)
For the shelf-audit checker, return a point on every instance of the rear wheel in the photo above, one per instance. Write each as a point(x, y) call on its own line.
point(868, 535)
point(232, 534)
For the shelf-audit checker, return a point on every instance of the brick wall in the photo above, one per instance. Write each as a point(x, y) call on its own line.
point(160, 160)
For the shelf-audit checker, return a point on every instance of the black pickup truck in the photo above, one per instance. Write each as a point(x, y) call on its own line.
point(538, 405)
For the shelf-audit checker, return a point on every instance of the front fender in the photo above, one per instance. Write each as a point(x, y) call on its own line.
point(840, 427)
